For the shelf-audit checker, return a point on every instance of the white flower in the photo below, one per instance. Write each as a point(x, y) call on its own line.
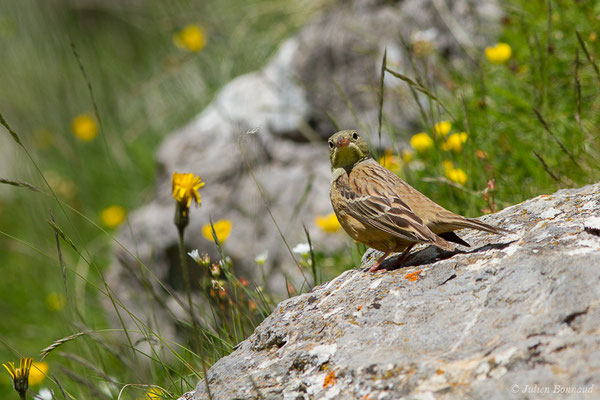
point(44, 394)
point(202, 259)
point(262, 257)
point(195, 255)
point(302, 248)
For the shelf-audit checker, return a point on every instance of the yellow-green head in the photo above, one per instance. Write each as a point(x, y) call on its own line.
point(346, 148)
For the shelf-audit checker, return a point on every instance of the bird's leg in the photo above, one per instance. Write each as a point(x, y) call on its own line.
point(404, 255)
point(375, 266)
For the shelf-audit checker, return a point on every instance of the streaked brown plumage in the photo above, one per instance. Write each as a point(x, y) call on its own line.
point(377, 208)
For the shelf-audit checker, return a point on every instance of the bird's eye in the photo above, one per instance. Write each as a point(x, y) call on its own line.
point(331, 145)
point(354, 135)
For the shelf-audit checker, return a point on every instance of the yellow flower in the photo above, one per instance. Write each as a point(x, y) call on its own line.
point(421, 142)
point(84, 126)
point(112, 216)
point(391, 162)
point(191, 38)
point(185, 188)
point(222, 229)
point(154, 394)
point(593, 36)
point(442, 128)
point(38, 373)
point(407, 155)
point(55, 301)
point(456, 175)
point(328, 223)
point(498, 54)
point(447, 164)
point(20, 376)
point(455, 142)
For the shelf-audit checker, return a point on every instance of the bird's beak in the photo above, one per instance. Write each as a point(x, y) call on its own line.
point(342, 142)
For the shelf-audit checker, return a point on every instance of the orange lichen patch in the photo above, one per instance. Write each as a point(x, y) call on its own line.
point(365, 397)
point(329, 379)
point(439, 371)
point(413, 276)
point(557, 370)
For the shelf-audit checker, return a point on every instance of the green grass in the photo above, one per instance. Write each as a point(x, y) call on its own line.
point(497, 106)
point(144, 87)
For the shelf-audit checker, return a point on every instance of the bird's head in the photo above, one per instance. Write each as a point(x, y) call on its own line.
point(346, 148)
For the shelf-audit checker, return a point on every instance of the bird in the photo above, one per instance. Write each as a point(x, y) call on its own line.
point(377, 208)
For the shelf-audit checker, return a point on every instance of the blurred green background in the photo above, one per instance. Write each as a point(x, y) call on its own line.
point(146, 83)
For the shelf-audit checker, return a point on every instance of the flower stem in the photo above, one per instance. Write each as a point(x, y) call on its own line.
point(186, 278)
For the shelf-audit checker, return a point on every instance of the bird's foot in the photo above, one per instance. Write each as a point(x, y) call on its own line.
point(375, 267)
point(397, 264)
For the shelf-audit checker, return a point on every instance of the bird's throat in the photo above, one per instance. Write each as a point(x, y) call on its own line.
point(346, 157)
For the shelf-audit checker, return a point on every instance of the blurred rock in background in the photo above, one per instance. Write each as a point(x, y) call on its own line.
point(325, 76)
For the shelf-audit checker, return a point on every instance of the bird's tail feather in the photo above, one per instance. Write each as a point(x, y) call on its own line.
point(482, 226)
point(442, 243)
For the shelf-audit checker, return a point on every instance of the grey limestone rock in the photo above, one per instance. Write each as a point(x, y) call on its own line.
point(512, 317)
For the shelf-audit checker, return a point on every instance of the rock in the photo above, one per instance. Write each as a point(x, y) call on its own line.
point(511, 317)
point(339, 57)
point(288, 101)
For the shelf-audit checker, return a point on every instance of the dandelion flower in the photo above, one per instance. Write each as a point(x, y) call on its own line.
point(448, 165)
point(154, 394)
point(421, 142)
point(498, 54)
point(190, 38)
point(442, 128)
point(455, 142)
point(457, 175)
point(185, 188)
point(112, 216)
point(407, 155)
point(390, 161)
point(20, 376)
point(84, 126)
point(38, 373)
point(302, 248)
point(222, 230)
point(328, 223)
point(55, 301)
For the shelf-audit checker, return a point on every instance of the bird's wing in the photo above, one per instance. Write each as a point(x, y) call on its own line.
point(370, 198)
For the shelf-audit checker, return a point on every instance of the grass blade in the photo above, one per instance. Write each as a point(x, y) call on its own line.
point(9, 129)
point(546, 168)
point(547, 128)
point(381, 88)
point(418, 87)
point(587, 54)
point(19, 184)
